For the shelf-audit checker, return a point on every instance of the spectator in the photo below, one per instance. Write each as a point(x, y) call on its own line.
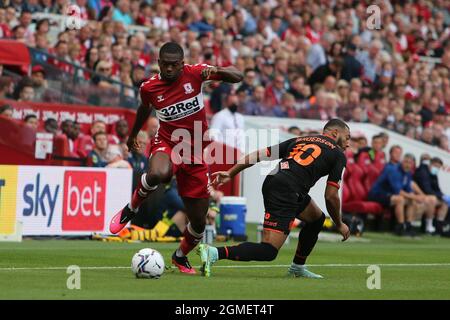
point(351, 67)
point(287, 107)
point(317, 55)
point(368, 60)
point(121, 129)
point(248, 85)
point(86, 142)
point(395, 154)
point(219, 95)
point(61, 52)
point(67, 129)
point(6, 111)
point(374, 157)
point(137, 159)
point(227, 126)
point(300, 89)
point(256, 106)
point(51, 126)
point(115, 158)
point(97, 157)
point(31, 121)
point(40, 84)
point(324, 71)
point(275, 91)
point(6, 87)
point(393, 189)
point(426, 177)
point(26, 92)
point(122, 12)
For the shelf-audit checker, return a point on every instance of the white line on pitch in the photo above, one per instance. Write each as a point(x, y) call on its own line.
point(332, 265)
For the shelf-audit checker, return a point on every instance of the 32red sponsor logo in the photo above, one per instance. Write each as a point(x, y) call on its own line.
point(84, 201)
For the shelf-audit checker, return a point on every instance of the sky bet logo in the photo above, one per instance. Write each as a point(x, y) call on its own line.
point(41, 199)
point(83, 200)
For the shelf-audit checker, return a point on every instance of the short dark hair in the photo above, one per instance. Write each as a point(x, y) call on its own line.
point(29, 116)
point(377, 136)
point(396, 146)
point(101, 133)
point(50, 120)
point(437, 160)
point(335, 123)
point(410, 156)
point(171, 48)
point(5, 107)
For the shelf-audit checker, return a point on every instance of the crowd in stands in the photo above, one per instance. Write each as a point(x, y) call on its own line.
point(301, 58)
point(405, 186)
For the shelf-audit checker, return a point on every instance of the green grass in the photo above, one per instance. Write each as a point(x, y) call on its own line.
point(341, 282)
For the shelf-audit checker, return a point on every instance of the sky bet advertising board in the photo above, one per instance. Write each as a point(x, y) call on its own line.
point(61, 200)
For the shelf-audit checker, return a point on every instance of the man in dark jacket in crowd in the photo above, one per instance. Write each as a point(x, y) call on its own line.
point(426, 176)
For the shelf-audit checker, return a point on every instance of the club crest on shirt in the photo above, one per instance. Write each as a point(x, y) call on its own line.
point(188, 88)
point(160, 98)
point(284, 165)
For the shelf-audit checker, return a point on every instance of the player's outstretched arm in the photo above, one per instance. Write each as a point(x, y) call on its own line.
point(226, 74)
point(222, 177)
point(333, 203)
point(142, 115)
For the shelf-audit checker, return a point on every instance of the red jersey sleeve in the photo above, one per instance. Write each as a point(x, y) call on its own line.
point(145, 95)
point(198, 68)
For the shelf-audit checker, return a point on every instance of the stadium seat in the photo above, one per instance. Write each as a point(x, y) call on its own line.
point(356, 193)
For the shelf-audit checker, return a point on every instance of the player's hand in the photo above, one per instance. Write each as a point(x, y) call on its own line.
point(207, 72)
point(344, 230)
point(220, 178)
point(132, 144)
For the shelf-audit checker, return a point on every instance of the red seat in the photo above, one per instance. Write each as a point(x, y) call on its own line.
point(355, 192)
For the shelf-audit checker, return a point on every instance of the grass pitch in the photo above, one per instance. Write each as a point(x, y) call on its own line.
point(410, 269)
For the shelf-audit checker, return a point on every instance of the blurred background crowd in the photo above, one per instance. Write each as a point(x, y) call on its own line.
point(301, 59)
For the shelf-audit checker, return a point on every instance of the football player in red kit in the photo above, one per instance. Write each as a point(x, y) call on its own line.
point(176, 95)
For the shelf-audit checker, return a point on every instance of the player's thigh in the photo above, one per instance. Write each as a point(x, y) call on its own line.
point(192, 181)
point(274, 237)
point(196, 209)
point(311, 213)
point(161, 167)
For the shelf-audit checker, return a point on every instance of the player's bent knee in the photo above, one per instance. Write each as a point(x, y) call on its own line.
point(269, 253)
point(317, 224)
point(198, 226)
point(160, 175)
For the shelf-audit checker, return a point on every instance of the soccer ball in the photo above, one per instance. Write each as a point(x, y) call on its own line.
point(147, 263)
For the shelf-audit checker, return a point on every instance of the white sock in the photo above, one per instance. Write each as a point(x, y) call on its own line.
point(298, 266)
point(429, 224)
point(179, 253)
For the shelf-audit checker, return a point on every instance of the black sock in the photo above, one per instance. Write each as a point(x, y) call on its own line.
point(307, 239)
point(249, 251)
point(439, 226)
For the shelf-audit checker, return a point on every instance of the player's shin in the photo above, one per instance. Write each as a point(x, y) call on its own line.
point(307, 240)
point(189, 242)
point(141, 192)
point(248, 251)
